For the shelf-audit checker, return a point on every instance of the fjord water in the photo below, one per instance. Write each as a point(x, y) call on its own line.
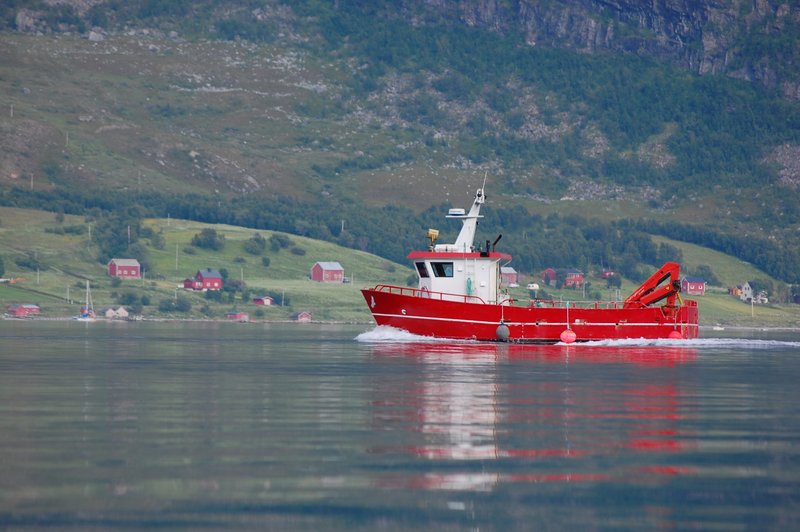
point(284, 426)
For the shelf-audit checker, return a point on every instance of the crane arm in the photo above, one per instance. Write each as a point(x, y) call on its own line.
point(654, 289)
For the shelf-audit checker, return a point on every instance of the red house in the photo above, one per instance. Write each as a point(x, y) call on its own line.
point(548, 276)
point(207, 279)
point(263, 300)
point(234, 315)
point(124, 268)
point(23, 310)
point(694, 286)
point(303, 317)
point(509, 276)
point(574, 278)
point(327, 272)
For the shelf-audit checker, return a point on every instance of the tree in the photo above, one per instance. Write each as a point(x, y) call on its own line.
point(256, 245)
point(208, 239)
point(704, 271)
point(182, 304)
point(2, 267)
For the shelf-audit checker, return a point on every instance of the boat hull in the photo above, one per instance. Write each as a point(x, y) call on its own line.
point(420, 313)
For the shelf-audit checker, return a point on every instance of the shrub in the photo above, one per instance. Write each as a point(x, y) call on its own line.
point(209, 239)
point(256, 245)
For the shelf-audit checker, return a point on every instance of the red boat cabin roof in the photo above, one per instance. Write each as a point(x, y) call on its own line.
point(456, 255)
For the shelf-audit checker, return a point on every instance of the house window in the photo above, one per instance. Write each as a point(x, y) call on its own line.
point(442, 269)
point(422, 270)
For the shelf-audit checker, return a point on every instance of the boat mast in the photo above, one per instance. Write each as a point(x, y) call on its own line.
point(88, 298)
point(470, 221)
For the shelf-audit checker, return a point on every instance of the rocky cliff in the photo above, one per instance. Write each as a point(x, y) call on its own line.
point(755, 40)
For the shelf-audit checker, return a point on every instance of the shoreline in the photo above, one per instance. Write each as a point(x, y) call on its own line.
point(717, 328)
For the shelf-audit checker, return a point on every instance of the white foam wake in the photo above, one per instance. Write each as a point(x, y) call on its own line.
point(384, 333)
point(698, 343)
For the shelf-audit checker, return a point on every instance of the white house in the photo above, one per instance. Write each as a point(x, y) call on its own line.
point(748, 296)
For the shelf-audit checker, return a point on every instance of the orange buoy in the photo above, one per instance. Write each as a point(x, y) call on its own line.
point(675, 335)
point(568, 336)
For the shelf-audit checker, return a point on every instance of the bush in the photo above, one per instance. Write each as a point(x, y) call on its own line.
point(183, 304)
point(298, 251)
point(265, 262)
point(209, 239)
point(278, 242)
point(256, 245)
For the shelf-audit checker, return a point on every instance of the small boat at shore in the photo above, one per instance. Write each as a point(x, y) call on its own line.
point(87, 310)
point(459, 295)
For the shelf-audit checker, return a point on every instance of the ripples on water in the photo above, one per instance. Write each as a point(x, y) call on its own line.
point(330, 427)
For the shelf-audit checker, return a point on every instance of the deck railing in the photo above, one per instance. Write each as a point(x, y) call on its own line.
point(543, 303)
point(421, 292)
point(552, 303)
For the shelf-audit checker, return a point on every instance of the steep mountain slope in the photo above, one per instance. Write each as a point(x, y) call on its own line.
point(350, 107)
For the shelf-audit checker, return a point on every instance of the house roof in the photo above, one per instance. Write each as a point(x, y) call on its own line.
point(690, 279)
point(330, 265)
point(507, 269)
point(125, 262)
point(209, 273)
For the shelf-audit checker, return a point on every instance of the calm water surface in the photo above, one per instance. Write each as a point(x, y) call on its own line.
point(264, 426)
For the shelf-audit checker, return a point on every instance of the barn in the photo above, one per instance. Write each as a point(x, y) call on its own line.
point(124, 268)
point(263, 300)
point(509, 276)
point(236, 315)
point(23, 310)
point(327, 272)
point(302, 316)
point(548, 276)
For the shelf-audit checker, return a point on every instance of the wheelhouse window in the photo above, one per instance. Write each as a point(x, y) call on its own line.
point(442, 269)
point(422, 270)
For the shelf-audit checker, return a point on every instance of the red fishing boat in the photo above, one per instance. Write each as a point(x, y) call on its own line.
point(460, 295)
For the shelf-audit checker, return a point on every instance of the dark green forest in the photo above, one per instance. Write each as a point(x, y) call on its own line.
point(391, 232)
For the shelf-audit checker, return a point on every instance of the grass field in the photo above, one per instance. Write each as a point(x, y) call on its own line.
point(68, 261)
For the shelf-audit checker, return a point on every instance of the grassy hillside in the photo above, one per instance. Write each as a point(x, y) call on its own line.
point(66, 261)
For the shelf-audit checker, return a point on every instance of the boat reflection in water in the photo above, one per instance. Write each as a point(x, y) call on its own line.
point(483, 415)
